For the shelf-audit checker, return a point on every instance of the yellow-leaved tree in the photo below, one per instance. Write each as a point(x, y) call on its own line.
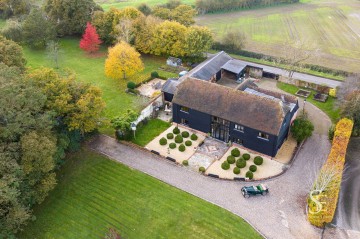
point(123, 60)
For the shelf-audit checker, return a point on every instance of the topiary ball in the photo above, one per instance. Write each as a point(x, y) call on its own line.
point(176, 130)
point(240, 163)
point(185, 134)
point(236, 170)
point(235, 152)
point(163, 141)
point(230, 159)
point(258, 160)
point(249, 175)
point(185, 163)
point(170, 136)
point(225, 165)
point(246, 156)
point(179, 139)
point(172, 145)
point(188, 143)
point(154, 74)
point(182, 148)
point(202, 169)
point(253, 168)
point(131, 85)
point(193, 137)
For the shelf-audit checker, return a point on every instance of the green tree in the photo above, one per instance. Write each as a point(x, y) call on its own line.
point(235, 40)
point(122, 123)
point(9, 8)
point(12, 30)
point(11, 53)
point(197, 41)
point(37, 31)
point(184, 14)
point(302, 128)
point(145, 9)
point(70, 16)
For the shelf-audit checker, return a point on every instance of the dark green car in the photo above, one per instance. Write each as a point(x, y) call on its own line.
point(254, 190)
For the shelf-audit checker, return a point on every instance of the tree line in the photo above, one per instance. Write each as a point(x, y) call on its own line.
point(211, 6)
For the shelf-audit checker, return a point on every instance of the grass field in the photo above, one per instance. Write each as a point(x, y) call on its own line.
point(147, 132)
point(331, 26)
point(329, 107)
point(107, 4)
point(91, 70)
point(94, 193)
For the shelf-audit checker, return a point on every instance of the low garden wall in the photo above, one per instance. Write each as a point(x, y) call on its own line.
point(324, 195)
point(148, 110)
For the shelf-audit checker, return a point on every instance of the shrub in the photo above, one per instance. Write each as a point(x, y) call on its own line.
point(301, 129)
point(235, 152)
point(131, 85)
point(249, 175)
point(188, 143)
point(170, 136)
point(182, 148)
point(240, 163)
point(193, 137)
point(202, 169)
point(185, 163)
point(154, 74)
point(246, 156)
point(185, 134)
point(230, 159)
point(225, 165)
point(258, 160)
point(163, 141)
point(176, 130)
point(236, 170)
point(178, 139)
point(172, 145)
point(253, 168)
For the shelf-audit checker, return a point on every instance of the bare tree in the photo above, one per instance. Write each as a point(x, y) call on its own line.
point(125, 31)
point(53, 52)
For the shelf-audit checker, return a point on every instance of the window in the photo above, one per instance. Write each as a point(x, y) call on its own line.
point(239, 128)
point(184, 121)
point(184, 109)
point(263, 136)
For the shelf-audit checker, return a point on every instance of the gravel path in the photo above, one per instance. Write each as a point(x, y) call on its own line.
point(281, 214)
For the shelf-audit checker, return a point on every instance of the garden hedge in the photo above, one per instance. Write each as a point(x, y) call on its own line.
point(258, 160)
point(193, 137)
point(246, 156)
point(170, 136)
point(163, 141)
point(321, 215)
point(179, 139)
point(176, 130)
point(185, 134)
point(249, 175)
point(172, 145)
point(230, 159)
point(236, 170)
point(235, 152)
point(182, 148)
point(188, 143)
point(253, 168)
point(225, 165)
point(240, 163)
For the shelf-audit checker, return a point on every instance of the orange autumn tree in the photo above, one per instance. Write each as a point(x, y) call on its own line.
point(123, 60)
point(90, 41)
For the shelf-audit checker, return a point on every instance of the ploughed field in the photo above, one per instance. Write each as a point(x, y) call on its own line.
point(94, 194)
point(332, 26)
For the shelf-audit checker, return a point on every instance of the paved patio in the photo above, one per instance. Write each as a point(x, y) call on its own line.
point(152, 88)
point(268, 169)
point(165, 151)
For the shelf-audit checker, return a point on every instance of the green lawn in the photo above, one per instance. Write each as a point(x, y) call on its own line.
point(94, 193)
point(2, 23)
point(328, 107)
point(147, 132)
point(91, 70)
point(107, 4)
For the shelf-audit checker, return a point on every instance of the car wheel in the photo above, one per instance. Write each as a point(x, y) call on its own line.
point(246, 195)
point(264, 193)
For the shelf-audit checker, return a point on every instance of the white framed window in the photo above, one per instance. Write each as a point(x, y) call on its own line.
point(184, 109)
point(239, 127)
point(263, 136)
